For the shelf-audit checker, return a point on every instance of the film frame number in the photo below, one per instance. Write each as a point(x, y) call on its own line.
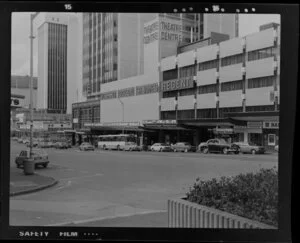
point(68, 6)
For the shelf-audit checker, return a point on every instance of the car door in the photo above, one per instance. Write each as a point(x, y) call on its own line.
point(212, 145)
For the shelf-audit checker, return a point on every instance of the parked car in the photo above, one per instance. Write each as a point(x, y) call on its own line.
point(39, 156)
point(25, 141)
point(161, 147)
point(86, 146)
point(20, 140)
point(250, 148)
point(220, 146)
point(203, 145)
point(183, 147)
point(61, 145)
point(34, 144)
point(276, 148)
point(131, 146)
point(44, 144)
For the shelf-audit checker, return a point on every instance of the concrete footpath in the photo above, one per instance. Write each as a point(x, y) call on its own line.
point(156, 219)
point(22, 184)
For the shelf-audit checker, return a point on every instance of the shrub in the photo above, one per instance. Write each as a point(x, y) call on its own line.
point(251, 195)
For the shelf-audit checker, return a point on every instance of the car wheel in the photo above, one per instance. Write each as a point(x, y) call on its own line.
point(205, 150)
point(104, 147)
point(130, 149)
point(225, 150)
point(253, 151)
point(118, 147)
point(186, 150)
point(45, 165)
point(175, 150)
point(160, 150)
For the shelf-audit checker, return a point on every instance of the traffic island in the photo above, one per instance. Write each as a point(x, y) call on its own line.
point(22, 184)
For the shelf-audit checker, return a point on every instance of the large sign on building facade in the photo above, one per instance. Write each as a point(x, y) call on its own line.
point(163, 29)
point(177, 84)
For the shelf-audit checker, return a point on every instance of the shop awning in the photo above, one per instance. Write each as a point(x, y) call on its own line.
point(164, 127)
point(255, 116)
point(119, 128)
point(211, 122)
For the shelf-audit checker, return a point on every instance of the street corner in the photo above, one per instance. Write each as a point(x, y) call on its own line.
point(22, 184)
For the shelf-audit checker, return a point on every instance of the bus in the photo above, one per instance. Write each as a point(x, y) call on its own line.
point(117, 141)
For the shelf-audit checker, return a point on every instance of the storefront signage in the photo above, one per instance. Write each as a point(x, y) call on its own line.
point(239, 129)
point(254, 124)
point(145, 122)
point(126, 92)
point(109, 95)
point(223, 130)
point(147, 89)
point(110, 124)
point(16, 102)
point(86, 104)
point(177, 84)
point(271, 125)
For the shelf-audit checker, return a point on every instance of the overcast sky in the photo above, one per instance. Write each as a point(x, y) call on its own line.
point(248, 23)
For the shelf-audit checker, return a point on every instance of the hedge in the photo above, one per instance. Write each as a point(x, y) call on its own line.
point(251, 195)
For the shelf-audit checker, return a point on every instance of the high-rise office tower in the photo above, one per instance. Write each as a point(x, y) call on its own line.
point(59, 50)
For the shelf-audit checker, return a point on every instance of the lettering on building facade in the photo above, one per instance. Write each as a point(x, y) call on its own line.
point(109, 95)
point(177, 84)
point(147, 89)
point(168, 30)
point(126, 92)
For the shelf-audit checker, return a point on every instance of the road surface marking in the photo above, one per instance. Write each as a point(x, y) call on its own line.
point(64, 186)
point(81, 177)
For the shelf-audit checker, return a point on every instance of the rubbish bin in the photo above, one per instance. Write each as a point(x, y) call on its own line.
point(28, 166)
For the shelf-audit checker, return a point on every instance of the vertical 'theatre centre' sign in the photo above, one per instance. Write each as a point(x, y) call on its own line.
point(162, 29)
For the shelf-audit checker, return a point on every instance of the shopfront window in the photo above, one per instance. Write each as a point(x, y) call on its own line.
point(255, 138)
point(271, 139)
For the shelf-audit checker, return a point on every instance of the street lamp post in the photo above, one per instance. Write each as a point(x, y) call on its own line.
point(32, 16)
point(122, 103)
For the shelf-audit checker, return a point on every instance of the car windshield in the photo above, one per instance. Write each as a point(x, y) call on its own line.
point(164, 144)
point(223, 141)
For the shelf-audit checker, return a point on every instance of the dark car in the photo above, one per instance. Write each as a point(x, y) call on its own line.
point(39, 156)
point(220, 146)
point(183, 147)
point(250, 148)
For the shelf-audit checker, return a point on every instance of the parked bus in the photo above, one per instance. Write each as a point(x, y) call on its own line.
point(117, 142)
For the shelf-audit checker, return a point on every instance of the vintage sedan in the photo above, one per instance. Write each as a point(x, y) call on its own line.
point(204, 145)
point(131, 146)
point(250, 148)
point(161, 147)
point(61, 145)
point(39, 156)
point(220, 146)
point(183, 147)
point(86, 146)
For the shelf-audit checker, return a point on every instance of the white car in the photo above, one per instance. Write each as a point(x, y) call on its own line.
point(161, 147)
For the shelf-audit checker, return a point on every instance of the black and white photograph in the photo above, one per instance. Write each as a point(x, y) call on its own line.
point(152, 120)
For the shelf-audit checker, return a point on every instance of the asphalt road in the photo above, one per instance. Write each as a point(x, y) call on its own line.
point(106, 184)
